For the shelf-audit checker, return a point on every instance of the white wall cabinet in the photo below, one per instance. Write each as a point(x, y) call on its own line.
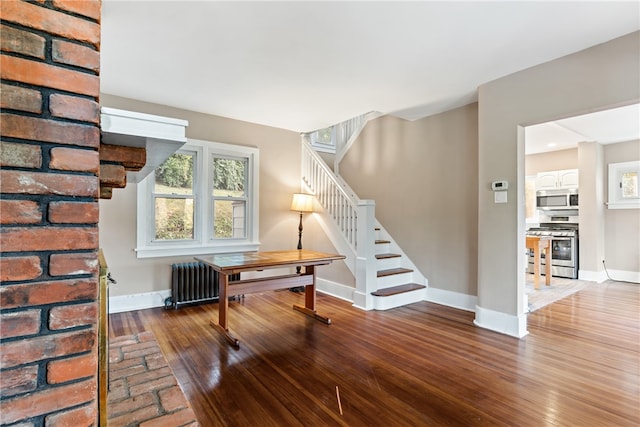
point(568, 178)
point(546, 180)
point(557, 179)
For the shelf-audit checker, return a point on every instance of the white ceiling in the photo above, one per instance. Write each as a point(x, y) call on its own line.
point(304, 65)
point(606, 127)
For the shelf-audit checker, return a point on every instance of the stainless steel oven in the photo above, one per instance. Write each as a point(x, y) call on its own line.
point(564, 249)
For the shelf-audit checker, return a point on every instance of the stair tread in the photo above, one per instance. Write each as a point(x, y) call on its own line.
point(379, 242)
point(394, 290)
point(385, 256)
point(392, 271)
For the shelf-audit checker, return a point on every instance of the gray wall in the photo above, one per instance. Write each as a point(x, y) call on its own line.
point(423, 178)
point(621, 226)
point(591, 237)
point(279, 179)
point(597, 78)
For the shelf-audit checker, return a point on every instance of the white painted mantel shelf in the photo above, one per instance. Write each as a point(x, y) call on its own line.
point(160, 136)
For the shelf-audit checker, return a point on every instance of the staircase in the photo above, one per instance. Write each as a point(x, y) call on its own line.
point(395, 283)
point(385, 277)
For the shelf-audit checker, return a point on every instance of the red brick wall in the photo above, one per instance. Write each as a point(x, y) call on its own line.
point(49, 185)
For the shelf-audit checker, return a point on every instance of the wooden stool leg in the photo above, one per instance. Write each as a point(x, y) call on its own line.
point(536, 265)
point(547, 258)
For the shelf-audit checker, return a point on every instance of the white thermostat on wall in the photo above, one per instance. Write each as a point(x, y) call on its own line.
point(499, 185)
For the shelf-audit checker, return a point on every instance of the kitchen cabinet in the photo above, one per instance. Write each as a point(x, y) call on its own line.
point(551, 180)
point(546, 180)
point(568, 178)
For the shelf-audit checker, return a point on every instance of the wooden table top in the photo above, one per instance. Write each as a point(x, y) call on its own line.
point(239, 261)
point(538, 239)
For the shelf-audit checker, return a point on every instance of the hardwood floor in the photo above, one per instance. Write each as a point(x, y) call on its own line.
point(419, 365)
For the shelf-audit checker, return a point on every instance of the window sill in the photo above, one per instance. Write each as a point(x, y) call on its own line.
point(157, 252)
point(627, 205)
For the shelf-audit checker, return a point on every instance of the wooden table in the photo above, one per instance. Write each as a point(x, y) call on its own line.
point(539, 243)
point(235, 263)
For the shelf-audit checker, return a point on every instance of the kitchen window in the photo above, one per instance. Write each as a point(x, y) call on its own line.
point(201, 200)
point(624, 192)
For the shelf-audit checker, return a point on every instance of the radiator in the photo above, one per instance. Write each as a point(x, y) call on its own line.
point(193, 282)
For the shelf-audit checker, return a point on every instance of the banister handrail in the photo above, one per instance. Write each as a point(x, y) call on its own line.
point(353, 218)
point(334, 196)
point(340, 184)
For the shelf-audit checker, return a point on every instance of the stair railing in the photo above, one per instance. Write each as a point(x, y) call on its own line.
point(353, 217)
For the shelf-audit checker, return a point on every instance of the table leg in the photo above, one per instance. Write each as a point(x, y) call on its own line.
point(547, 257)
point(536, 265)
point(310, 299)
point(310, 290)
point(223, 306)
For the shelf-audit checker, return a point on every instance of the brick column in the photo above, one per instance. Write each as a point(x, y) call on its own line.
point(49, 185)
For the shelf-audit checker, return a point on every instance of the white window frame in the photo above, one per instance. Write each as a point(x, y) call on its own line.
point(204, 241)
point(616, 170)
point(323, 146)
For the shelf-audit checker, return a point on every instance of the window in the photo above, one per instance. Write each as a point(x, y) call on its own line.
point(228, 197)
point(623, 185)
point(174, 198)
point(324, 140)
point(201, 200)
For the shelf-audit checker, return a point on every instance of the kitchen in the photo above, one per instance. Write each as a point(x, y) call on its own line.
point(567, 195)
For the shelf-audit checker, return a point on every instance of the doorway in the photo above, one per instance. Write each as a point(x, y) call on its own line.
point(554, 148)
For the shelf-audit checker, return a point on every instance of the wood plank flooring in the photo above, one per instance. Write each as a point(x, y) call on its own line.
point(420, 365)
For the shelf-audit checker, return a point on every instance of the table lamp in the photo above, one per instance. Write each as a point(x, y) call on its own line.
point(301, 203)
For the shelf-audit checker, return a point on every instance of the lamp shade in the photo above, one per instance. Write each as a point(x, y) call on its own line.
point(302, 202)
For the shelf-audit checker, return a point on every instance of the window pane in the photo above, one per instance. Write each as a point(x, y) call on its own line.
point(174, 219)
point(229, 177)
point(229, 219)
point(175, 175)
point(325, 136)
point(630, 185)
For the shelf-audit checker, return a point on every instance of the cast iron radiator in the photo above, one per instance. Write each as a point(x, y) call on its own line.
point(193, 282)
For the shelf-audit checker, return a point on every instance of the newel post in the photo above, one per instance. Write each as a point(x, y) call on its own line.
point(366, 274)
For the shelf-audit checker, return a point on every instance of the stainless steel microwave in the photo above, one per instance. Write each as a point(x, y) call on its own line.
point(555, 200)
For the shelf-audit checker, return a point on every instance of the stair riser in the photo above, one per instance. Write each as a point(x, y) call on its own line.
point(388, 263)
point(394, 280)
point(382, 248)
point(393, 301)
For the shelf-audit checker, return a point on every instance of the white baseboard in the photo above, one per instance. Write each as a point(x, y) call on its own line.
point(335, 289)
point(515, 326)
point(362, 301)
point(452, 299)
point(592, 276)
point(122, 303)
point(624, 276)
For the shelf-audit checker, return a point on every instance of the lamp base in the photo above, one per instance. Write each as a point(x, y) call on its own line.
point(298, 289)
